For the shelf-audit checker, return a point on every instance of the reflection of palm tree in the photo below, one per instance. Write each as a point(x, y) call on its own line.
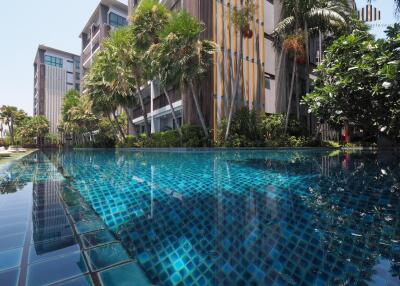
point(19, 174)
point(351, 217)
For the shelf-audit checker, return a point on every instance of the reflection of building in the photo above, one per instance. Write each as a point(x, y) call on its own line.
point(259, 88)
point(49, 220)
point(55, 72)
point(108, 15)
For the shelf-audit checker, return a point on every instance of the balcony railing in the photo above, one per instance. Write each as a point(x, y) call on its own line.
point(158, 102)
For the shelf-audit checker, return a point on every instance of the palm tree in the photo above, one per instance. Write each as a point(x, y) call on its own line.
point(12, 116)
point(302, 19)
point(159, 62)
point(186, 56)
point(148, 20)
point(99, 90)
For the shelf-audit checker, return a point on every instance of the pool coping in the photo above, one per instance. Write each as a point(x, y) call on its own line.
point(9, 160)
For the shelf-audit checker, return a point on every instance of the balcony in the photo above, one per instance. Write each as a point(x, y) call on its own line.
point(158, 102)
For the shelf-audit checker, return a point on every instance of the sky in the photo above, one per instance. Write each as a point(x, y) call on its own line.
point(387, 9)
point(58, 23)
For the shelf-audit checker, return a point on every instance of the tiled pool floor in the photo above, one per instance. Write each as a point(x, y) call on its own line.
point(248, 217)
point(49, 236)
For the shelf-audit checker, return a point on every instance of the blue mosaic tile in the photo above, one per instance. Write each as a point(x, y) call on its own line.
point(84, 226)
point(83, 280)
point(9, 277)
point(243, 217)
point(124, 275)
point(105, 256)
point(98, 238)
point(217, 217)
point(10, 258)
point(57, 269)
point(47, 250)
point(12, 241)
point(13, 228)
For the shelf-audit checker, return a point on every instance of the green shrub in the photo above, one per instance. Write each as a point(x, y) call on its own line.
point(192, 137)
point(251, 128)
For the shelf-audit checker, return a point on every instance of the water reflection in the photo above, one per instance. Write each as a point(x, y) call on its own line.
point(254, 217)
point(29, 195)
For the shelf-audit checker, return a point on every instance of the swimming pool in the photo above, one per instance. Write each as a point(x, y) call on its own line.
point(250, 217)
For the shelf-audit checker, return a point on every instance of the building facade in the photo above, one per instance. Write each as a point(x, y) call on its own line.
point(108, 15)
point(259, 66)
point(55, 72)
point(263, 84)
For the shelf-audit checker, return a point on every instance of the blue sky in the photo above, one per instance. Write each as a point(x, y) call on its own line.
point(387, 15)
point(57, 23)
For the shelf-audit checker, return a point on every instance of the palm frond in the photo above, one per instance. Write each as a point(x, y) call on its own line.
point(286, 26)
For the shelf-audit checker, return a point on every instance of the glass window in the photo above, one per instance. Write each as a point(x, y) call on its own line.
point(77, 65)
point(116, 20)
point(77, 76)
point(267, 83)
point(53, 61)
point(77, 86)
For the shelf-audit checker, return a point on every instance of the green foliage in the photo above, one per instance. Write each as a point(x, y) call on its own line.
point(12, 117)
point(33, 129)
point(358, 84)
point(192, 138)
point(70, 100)
point(331, 144)
point(242, 17)
point(148, 20)
point(181, 57)
point(252, 128)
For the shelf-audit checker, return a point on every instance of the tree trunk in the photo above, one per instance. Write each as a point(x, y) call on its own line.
point(11, 129)
point(237, 83)
point(198, 109)
point(146, 121)
point(118, 126)
point(291, 95)
point(178, 127)
point(130, 120)
point(113, 127)
point(297, 94)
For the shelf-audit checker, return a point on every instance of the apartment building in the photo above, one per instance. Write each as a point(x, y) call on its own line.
point(55, 72)
point(264, 83)
point(259, 59)
point(108, 15)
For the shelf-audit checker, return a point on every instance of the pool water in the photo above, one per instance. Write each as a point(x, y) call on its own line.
point(251, 217)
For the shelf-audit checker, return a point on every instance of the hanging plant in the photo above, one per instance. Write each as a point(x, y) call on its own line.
point(301, 59)
point(242, 18)
point(294, 43)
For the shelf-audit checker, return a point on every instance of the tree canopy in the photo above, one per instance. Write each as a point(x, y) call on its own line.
point(358, 84)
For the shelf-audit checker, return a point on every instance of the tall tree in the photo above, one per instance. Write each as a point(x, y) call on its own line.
point(187, 57)
point(148, 20)
point(12, 116)
point(36, 127)
point(302, 19)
